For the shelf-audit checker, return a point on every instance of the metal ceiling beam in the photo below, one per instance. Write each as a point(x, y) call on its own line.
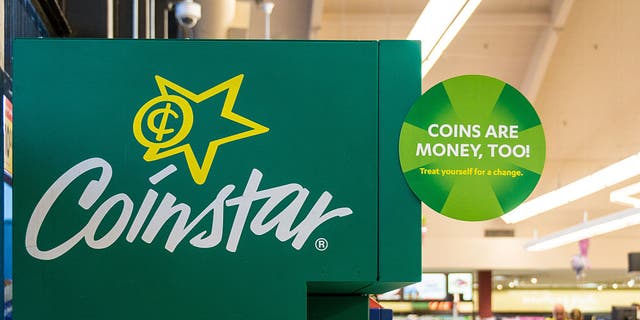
point(544, 49)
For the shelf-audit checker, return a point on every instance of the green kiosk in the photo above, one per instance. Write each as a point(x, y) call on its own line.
point(211, 179)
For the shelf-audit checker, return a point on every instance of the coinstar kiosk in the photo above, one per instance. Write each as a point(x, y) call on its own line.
point(211, 179)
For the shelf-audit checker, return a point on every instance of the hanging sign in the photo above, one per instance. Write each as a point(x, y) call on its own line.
point(472, 148)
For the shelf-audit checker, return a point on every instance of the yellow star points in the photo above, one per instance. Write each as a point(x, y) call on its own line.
point(156, 144)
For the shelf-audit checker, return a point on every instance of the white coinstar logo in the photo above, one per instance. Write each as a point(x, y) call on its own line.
point(185, 224)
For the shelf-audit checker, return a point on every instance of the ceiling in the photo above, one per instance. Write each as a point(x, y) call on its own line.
point(577, 62)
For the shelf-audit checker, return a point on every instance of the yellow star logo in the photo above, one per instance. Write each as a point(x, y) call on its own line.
point(165, 142)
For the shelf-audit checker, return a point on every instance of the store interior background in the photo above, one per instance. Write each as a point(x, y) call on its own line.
point(576, 60)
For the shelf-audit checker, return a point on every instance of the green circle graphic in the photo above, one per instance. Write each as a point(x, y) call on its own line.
point(472, 148)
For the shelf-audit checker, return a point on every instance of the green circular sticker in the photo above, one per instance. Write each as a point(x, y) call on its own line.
point(472, 148)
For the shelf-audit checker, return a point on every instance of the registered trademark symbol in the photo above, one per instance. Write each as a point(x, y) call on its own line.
point(322, 244)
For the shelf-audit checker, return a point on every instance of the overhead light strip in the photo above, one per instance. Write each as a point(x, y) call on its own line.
point(613, 174)
point(438, 25)
point(624, 195)
point(606, 224)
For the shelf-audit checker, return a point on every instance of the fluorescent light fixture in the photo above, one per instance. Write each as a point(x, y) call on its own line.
point(580, 188)
point(606, 224)
point(437, 25)
point(624, 195)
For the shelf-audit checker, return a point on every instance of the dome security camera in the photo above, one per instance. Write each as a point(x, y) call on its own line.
point(188, 13)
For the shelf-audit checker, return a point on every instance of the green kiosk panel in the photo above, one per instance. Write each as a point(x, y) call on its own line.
point(211, 179)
